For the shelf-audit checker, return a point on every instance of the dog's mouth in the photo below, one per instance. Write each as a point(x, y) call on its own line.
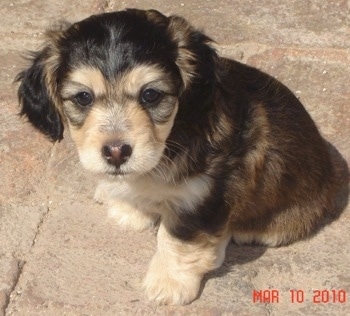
point(122, 174)
point(118, 172)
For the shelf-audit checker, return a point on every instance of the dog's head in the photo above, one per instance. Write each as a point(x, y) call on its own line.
point(119, 81)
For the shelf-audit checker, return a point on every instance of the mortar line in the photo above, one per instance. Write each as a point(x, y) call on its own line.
point(21, 263)
point(20, 266)
point(45, 214)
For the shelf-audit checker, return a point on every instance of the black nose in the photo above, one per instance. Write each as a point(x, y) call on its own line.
point(116, 153)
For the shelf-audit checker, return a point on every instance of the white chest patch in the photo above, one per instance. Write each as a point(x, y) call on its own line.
point(149, 195)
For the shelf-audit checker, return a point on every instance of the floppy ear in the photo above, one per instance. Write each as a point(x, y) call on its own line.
point(37, 94)
point(196, 59)
point(197, 62)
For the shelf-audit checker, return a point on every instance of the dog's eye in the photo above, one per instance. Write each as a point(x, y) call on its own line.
point(150, 97)
point(84, 99)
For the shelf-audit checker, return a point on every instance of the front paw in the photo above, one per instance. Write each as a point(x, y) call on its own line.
point(103, 192)
point(128, 217)
point(165, 286)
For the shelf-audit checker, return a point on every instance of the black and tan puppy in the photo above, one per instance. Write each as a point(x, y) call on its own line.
point(211, 148)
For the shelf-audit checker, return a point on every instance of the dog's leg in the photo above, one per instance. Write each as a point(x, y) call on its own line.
point(293, 224)
point(177, 268)
point(104, 191)
point(125, 214)
point(128, 216)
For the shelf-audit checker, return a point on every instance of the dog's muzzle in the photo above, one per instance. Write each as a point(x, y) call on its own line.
point(116, 153)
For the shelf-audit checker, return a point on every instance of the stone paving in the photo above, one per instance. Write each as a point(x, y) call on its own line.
point(61, 255)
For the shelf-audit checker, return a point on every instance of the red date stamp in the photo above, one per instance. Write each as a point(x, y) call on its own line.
point(334, 296)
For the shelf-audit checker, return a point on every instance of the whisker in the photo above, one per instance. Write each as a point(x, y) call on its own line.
point(168, 169)
point(181, 148)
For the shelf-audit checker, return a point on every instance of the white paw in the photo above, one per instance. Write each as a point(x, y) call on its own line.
point(103, 192)
point(128, 217)
point(165, 286)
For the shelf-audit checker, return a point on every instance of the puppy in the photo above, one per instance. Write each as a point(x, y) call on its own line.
point(212, 149)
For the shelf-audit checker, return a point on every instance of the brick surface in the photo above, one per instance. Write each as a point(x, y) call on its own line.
point(61, 255)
